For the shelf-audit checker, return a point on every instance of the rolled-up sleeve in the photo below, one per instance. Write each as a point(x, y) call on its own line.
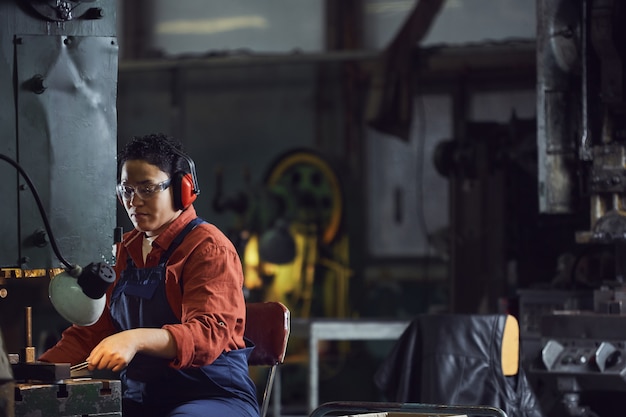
point(210, 303)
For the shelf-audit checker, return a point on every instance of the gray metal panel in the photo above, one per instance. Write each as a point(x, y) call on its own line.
point(29, 22)
point(18, 19)
point(9, 250)
point(67, 143)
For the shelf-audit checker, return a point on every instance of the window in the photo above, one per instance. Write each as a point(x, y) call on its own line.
point(209, 26)
point(459, 22)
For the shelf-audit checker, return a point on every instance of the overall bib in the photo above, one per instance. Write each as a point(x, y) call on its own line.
point(151, 387)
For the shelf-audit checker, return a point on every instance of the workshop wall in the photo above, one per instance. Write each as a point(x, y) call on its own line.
point(238, 118)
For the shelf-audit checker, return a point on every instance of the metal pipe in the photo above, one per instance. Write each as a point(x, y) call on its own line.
point(29, 349)
point(29, 326)
point(585, 152)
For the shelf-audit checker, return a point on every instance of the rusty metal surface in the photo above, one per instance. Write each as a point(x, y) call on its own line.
point(84, 397)
point(558, 61)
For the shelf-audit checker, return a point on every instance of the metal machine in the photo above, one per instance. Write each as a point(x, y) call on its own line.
point(290, 236)
point(581, 104)
point(58, 73)
point(581, 138)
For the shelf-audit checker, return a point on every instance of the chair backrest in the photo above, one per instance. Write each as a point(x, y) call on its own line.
point(510, 350)
point(426, 361)
point(267, 326)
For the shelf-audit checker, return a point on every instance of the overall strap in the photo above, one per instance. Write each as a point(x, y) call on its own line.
point(178, 239)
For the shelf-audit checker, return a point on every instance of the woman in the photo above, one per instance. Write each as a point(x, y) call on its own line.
point(175, 318)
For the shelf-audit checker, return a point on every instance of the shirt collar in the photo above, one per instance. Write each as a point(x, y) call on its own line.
point(165, 238)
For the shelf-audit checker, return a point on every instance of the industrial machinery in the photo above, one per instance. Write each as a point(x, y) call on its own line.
point(59, 61)
point(289, 230)
point(58, 72)
point(581, 106)
point(581, 138)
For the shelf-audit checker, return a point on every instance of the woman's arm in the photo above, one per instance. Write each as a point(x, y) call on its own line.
point(115, 352)
point(212, 306)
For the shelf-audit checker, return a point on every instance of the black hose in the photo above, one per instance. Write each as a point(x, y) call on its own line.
point(42, 211)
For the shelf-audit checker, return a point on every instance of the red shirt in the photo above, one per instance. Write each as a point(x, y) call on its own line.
point(211, 307)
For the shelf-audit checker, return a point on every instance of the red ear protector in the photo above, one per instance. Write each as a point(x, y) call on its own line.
point(185, 185)
point(183, 190)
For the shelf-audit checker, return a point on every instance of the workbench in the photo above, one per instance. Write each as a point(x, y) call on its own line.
point(84, 397)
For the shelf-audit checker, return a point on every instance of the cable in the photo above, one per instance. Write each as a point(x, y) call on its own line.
point(42, 211)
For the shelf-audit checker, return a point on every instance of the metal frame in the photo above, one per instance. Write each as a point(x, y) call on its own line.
point(431, 410)
point(318, 330)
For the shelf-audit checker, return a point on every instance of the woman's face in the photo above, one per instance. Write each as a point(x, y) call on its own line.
point(155, 211)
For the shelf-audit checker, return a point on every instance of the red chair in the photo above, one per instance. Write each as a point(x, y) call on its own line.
point(267, 326)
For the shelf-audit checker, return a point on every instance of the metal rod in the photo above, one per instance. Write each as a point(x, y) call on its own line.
point(29, 326)
point(29, 349)
point(79, 366)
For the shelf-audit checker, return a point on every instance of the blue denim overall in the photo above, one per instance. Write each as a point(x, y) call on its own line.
point(151, 386)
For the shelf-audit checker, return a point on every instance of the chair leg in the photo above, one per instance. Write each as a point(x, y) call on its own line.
point(277, 394)
point(268, 391)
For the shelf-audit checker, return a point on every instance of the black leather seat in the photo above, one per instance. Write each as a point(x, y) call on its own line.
point(458, 360)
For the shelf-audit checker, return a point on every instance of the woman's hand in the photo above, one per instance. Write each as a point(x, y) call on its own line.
point(116, 351)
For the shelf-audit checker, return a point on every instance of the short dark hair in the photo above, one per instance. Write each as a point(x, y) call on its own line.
point(155, 148)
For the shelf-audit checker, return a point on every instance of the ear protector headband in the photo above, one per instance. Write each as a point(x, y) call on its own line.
point(184, 185)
